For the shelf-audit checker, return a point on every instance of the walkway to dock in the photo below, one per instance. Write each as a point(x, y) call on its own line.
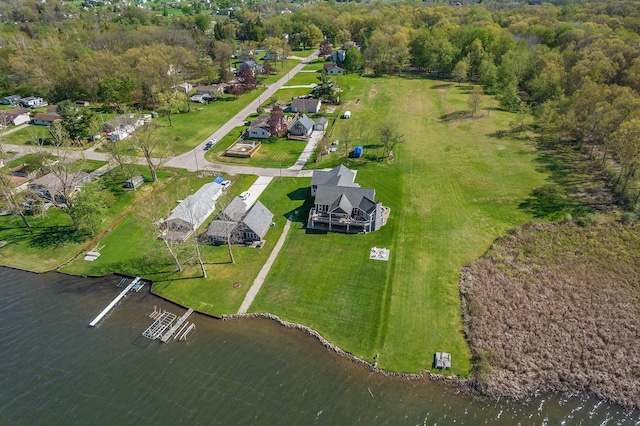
point(110, 306)
point(262, 275)
point(176, 326)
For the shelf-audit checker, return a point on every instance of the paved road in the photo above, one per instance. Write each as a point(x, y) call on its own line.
point(194, 160)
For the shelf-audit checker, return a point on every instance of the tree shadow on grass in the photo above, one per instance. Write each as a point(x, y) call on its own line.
point(56, 236)
point(576, 185)
point(456, 115)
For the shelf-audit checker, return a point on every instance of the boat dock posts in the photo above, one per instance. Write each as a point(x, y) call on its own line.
point(110, 306)
point(159, 325)
point(173, 329)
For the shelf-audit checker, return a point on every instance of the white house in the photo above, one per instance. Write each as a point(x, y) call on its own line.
point(33, 102)
point(16, 117)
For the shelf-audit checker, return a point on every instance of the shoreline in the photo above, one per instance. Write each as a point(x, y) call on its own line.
point(471, 386)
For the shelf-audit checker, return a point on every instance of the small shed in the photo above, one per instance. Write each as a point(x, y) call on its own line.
point(320, 124)
point(134, 182)
point(347, 114)
point(357, 152)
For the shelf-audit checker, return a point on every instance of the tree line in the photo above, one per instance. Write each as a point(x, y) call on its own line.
point(576, 66)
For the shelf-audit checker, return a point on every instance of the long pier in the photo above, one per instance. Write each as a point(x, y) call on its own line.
point(176, 326)
point(110, 306)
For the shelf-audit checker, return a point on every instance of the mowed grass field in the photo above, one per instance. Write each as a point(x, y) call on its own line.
point(452, 189)
point(281, 153)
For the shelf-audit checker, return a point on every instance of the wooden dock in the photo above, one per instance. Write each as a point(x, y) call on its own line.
point(110, 306)
point(176, 326)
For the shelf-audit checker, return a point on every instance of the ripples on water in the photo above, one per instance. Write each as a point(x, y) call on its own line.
point(54, 369)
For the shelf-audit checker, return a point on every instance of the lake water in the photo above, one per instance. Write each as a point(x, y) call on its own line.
point(54, 369)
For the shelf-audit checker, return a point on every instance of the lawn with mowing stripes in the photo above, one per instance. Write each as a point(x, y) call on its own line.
point(281, 153)
point(452, 189)
point(303, 79)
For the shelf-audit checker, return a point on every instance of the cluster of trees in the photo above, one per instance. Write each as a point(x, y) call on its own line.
point(575, 66)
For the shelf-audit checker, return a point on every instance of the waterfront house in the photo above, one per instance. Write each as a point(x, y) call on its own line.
point(341, 205)
point(56, 186)
point(191, 212)
point(237, 225)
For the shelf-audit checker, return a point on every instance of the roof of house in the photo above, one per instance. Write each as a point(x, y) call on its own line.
point(258, 219)
point(221, 228)
point(52, 182)
point(306, 104)
point(260, 121)
point(338, 176)
point(197, 207)
point(41, 116)
point(234, 210)
point(322, 120)
point(332, 65)
point(14, 113)
point(305, 121)
point(342, 199)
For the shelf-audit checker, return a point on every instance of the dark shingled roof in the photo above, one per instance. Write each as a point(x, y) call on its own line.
point(343, 198)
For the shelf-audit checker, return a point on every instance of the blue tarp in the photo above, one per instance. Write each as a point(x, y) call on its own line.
point(357, 152)
point(218, 180)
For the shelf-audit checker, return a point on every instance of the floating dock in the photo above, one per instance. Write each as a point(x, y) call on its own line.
point(110, 306)
point(177, 325)
point(159, 325)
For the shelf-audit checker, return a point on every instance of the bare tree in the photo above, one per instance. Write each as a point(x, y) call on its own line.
point(154, 153)
point(192, 206)
point(120, 155)
point(152, 213)
point(12, 198)
point(66, 170)
point(475, 99)
point(390, 137)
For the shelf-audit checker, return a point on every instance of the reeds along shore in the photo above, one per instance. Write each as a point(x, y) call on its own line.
point(556, 308)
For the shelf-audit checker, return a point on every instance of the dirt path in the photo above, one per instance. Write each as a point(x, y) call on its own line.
point(262, 275)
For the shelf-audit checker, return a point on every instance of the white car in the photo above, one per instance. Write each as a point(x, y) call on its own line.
point(245, 195)
point(225, 184)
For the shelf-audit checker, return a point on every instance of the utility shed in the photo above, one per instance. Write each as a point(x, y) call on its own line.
point(191, 212)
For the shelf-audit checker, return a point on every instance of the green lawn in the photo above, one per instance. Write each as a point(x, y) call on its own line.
point(286, 95)
point(452, 189)
point(51, 240)
point(282, 153)
point(316, 65)
point(303, 79)
point(132, 248)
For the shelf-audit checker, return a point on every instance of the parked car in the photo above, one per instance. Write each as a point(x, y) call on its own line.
point(245, 195)
point(226, 184)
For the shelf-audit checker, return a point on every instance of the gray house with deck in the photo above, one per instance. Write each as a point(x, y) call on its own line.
point(341, 205)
